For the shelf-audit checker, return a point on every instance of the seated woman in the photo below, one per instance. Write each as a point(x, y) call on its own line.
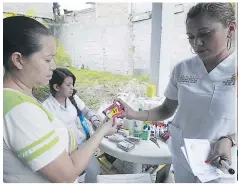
point(35, 143)
point(64, 104)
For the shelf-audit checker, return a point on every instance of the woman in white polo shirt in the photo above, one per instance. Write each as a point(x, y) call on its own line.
point(201, 89)
point(35, 144)
point(64, 104)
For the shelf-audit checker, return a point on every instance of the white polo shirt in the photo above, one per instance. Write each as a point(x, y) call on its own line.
point(68, 116)
point(207, 102)
point(32, 138)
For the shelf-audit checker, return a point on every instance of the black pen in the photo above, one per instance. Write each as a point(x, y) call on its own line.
point(229, 169)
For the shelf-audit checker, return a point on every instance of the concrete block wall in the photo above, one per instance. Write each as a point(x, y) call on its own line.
point(142, 41)
point(175, 35)
point(43, 10)
point(99, 38)
point(115, 38)
point(174, 44)
point(141, 38)
point(105, 39)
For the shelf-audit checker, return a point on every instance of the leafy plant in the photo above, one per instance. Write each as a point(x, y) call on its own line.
point(90, 77)
point(41, 93)
point(62, 58)
point(9, 14)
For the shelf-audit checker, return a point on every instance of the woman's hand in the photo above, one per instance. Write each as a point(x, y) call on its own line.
point(221, 150)
point(128, 112)
point(96, 124)
point(109, 127)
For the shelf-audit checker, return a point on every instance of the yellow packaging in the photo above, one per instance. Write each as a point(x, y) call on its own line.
point(151, 90)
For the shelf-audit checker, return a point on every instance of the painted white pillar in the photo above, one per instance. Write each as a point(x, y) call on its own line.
point(162, 21)
point(156, 24)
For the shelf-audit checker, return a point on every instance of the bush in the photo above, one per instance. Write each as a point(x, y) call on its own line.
point(62, 58)
point(41, 93)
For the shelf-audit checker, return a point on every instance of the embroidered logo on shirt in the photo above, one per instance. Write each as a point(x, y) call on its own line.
point(230, 81)
point(188, 79)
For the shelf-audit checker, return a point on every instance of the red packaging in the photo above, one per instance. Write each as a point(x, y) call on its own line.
point(113, 110)
point(165, 136)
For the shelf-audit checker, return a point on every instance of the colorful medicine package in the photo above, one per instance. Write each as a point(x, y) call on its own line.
point(113, 110)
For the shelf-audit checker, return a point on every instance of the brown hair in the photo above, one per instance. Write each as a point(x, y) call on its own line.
point(21, 34)
point(223, 12)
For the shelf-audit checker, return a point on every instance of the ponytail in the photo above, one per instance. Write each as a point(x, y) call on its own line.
point(71, 98)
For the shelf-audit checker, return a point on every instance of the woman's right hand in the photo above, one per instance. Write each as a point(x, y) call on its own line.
point(128, 112)
point(109, 127)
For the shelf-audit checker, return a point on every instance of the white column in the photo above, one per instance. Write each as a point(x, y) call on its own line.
point(155, 43)
point(162, 23)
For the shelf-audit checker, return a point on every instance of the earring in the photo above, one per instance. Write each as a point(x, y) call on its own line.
point(191, 49)
point(228, 45)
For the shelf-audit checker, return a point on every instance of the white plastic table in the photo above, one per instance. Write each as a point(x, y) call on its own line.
point(144, 153)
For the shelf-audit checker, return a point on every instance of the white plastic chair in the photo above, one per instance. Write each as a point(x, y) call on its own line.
point(125, 178)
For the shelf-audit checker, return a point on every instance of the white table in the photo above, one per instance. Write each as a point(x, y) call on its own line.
point(144, 153)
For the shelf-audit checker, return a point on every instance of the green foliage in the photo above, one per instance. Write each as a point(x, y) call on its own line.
point(62, 58)
point(143, 78)
point(41, 93)
point(9, 14)
point(90, 77)
point(86, 78)
point(92, 102)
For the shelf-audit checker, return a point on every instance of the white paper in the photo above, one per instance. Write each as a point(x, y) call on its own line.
point(203, 178)
point(196, 152)
point(184, 153)
point(209, 175)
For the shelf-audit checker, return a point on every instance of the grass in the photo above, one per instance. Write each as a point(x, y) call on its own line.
point(90, 77)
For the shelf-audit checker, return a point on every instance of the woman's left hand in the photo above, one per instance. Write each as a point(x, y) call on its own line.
point(96, 124)
point(221, 150)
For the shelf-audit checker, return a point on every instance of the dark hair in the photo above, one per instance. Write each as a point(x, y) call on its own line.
point(59, 74)
point(223, 12)
point(21, 34)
